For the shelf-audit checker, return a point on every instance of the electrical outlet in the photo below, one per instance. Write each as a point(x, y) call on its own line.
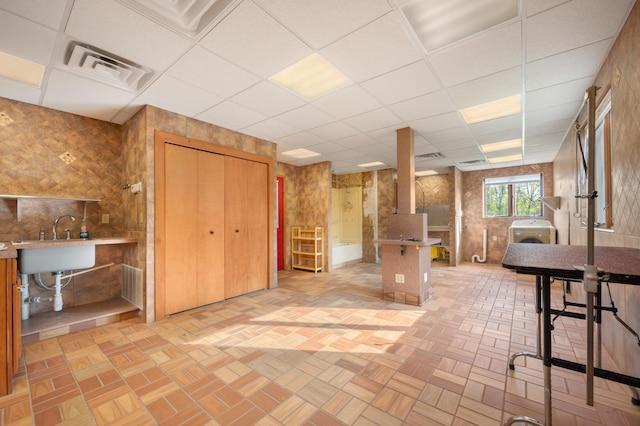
point(141, 218)
point(495, 238)
point(105, 218)
point(425, 277)
point(400, 278)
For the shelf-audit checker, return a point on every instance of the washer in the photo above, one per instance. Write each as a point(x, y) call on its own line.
point(537, 231)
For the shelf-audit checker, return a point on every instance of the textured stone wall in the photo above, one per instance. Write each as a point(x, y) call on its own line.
point(620, 72)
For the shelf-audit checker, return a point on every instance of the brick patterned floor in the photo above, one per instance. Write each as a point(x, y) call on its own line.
point(320, 350)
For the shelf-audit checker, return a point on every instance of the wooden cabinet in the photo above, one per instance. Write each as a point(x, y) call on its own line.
point(194, 228)
point(306, 248)
point(214, 223)
point(10, 324)
point(246, 230)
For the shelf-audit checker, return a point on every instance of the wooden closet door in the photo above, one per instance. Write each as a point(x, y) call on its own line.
point(194, 228)
point(210, 228)
point(181, 196)
point(257, 226)
point(238, 246)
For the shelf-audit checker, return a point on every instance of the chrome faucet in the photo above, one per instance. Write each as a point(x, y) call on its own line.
point(55, 224)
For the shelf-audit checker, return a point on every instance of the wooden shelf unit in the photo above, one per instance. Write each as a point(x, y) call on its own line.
point(306, 248)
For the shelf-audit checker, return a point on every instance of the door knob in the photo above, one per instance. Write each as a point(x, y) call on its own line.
point(211, 232)
point(237, 230)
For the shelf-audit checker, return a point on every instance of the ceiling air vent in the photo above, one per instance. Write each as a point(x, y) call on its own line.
point(430, 156)
point(106, 67)
point(473, 162)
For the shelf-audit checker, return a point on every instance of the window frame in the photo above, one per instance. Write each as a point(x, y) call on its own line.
point(511, 182)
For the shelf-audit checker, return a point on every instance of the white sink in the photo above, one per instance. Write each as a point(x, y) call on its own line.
point(57, 257)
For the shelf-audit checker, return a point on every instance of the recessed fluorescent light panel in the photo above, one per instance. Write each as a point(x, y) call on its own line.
point(189, 17)
point(492, 110)
point(505, 159)
point(374, 164)
point(21, 70)
point(438, 23)
point(501, 146)
point(426, 173)
point(311, 77)
point(300, 153)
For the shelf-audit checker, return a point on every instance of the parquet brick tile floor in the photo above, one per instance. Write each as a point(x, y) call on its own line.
point(321, 349)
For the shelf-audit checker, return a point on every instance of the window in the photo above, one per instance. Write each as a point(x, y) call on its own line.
point(513, 196)
point(602, 170)
point(602, 167)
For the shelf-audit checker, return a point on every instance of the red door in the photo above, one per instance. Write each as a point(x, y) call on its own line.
point(280, 234)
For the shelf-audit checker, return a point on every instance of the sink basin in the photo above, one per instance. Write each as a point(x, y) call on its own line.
point(57, 257)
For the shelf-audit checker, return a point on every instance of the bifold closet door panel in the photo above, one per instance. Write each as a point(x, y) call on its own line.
point(210, 228)
point(257, 226)
point(181, 195)
point(237, 243)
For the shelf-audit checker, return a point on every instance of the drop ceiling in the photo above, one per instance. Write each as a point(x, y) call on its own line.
point(219, 73)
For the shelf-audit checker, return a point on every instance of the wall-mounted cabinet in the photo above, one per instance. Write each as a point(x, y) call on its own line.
point(306, 248)
point(20, 199)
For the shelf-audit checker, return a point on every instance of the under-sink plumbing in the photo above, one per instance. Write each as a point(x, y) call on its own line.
point(55, 224)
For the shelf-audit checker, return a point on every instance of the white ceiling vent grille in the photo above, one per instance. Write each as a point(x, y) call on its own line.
point(430, 156)
point(107, 68)
point(189, 17)
point(473, 162)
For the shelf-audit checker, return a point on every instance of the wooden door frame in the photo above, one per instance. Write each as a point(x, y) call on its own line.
point(160, 139)
point(282, 216)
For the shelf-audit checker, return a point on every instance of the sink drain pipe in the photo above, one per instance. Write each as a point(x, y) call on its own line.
point(484, 250)
point(57, 290)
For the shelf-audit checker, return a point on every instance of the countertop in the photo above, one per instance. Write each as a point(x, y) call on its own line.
point(427, 242)
point(11, 250)
point(621, 263)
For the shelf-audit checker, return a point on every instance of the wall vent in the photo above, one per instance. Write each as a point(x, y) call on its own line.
point(106, 67)
point(430, 155)
point(131, 288)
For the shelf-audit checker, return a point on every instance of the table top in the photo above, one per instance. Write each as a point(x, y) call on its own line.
point(621, 263)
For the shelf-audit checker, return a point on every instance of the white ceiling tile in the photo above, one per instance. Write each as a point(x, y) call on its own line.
point(210, 72)
point(19, 92)
point(77, 95)
point(356, 141)
point(231, 115)
point(444, 136)
point(268, 98)
point(453, 144)
point(320, 23)
point(373, 50)
point(347, 102)
point(571, 25)
point(270, 129)
point(557, 112)
point(407, 82)
point(572, 65)
point(46, 12)
point(373, 120)
point(325, 148)
point(24, 39)
point(306, 117)
point(423, 106)
point(557, 126)
point(437, 123)
point(535, 7)
point(490, 88)
point(240, 38)
point(558, 94)
point(334, 131)
point(463, 154)
point(299, 140)
point(490, 53)
point(174, 95)
point(112, 27)
point(511, 124)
